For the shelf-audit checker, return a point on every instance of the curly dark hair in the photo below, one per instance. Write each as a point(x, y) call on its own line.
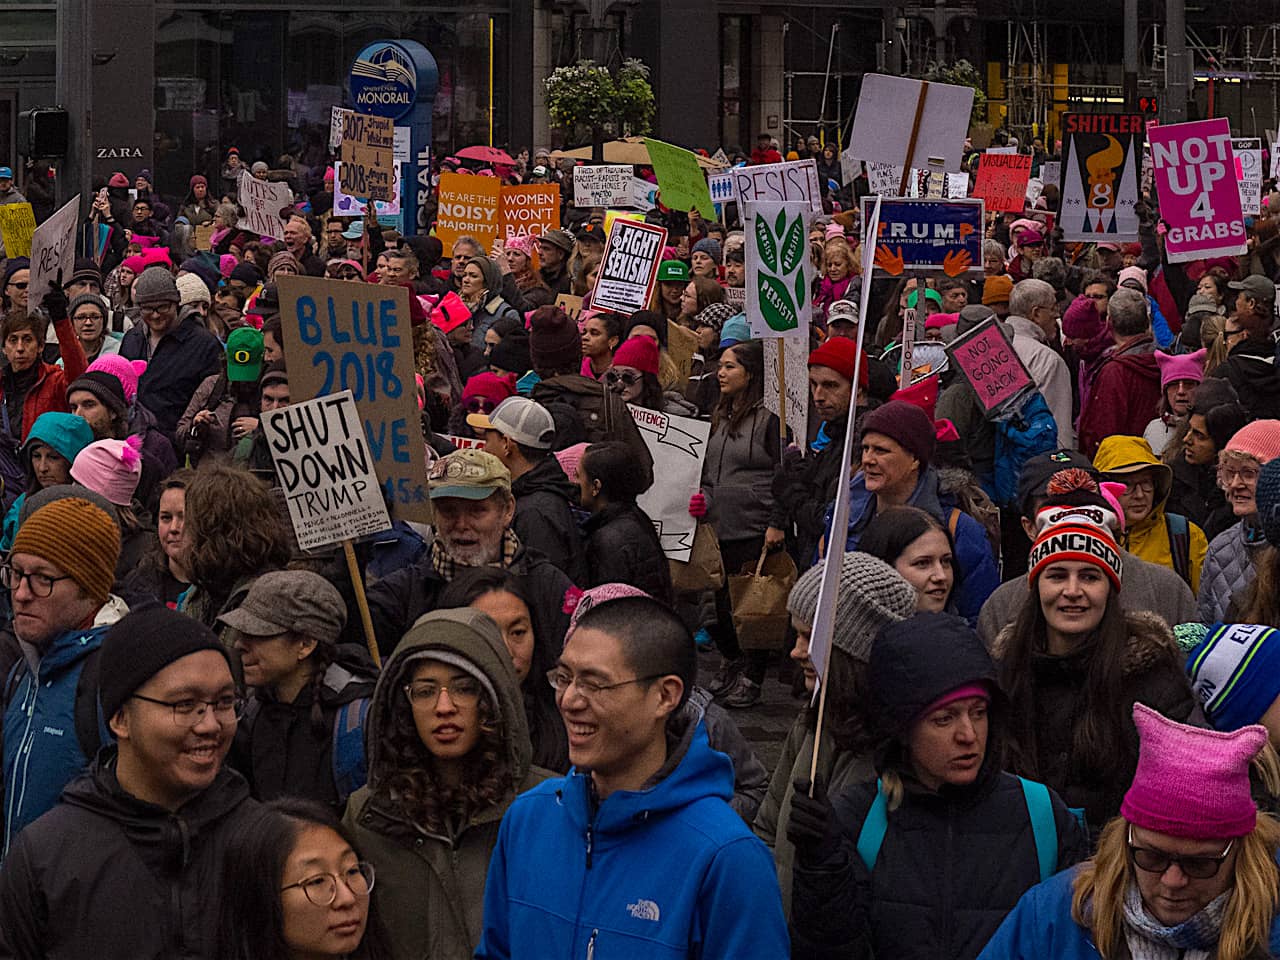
point(235, 528)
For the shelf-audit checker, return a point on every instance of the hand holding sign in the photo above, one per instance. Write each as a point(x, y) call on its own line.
point(889, 261)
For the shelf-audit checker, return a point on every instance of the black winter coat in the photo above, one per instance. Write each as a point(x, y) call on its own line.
point(108, 876)
point(802, 488)
point(544, 517)
point(185, 356)
point(584, 410)
point(1250, 368)
point(623, 547)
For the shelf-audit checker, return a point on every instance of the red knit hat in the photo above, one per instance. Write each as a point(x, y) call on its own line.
point(838, 354)
point(638, 352)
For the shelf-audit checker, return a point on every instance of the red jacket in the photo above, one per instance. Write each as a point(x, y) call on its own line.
point(50, 389)
point(1125, 394)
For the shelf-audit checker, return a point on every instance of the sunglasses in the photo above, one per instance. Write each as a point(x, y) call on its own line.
point(1157, 861)
point(347, 274)
point(18, 286)
point(613, 378)
point(480, 405)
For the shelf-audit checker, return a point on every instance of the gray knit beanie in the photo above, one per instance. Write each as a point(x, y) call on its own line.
point(871, 595)
point(155, 285)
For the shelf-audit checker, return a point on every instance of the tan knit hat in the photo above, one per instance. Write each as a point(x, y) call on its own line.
point(78, 538)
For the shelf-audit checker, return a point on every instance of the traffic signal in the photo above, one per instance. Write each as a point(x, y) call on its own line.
point(43, 132)
point(1149, 106)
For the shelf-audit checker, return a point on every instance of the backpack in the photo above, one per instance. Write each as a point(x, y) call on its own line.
point(1179, 532)
point(1028, 432)
point(1044, 829)
point(348, 764)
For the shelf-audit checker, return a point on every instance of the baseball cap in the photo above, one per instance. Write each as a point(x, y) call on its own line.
point(244, 355)
point(523, 420)
point(1036, 473)
point(1260, 288)
point(469, 474)
point(354, 231)
point(284, 601)
point(673, 271)
point(6, 173)
point(842, 311)
point(590, 231)
point(929, 294)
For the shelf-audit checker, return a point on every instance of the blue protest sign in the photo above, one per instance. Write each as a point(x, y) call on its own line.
point(940, 236)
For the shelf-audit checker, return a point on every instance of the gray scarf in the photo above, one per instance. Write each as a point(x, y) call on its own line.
point(1148, 939)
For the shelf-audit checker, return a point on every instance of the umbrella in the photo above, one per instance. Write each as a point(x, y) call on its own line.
point(486, 155)
point(630, 150)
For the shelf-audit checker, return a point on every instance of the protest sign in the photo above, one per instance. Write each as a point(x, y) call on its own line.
point(1051, 172)
point(1101, 163)
point(336, 115)
point(607, 185)
point(720, 157)
point(721, 187)
point(1275, 159)
point(368, 152)
point(940, 236)
point(53, 251)
point(643, 195)
point(204, 236)
point(882, 130)
point(779, 271)
point(885, 180)
point(571, 305)
point(1194, 173)
point(681, 183)
point(1002, 181)
point(17, 224)
point(529, 211)
point(1035, 187)
point(325, 468)
point(778, 183)
point(345, 205)
point(682, 344)
point(356, 336)
point(985, 357)
point(262, 203)
point(850, 166)
point(464, 443)
point(629, 266)
point(611, 215)
point(468, 207)
point(796, 374)
point(1248, 162)
point(678, 446)
point(736, 297)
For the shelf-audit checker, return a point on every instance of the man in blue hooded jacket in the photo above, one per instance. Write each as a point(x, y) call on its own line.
point(636, 853)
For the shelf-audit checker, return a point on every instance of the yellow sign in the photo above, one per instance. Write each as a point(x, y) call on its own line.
point(17, 224)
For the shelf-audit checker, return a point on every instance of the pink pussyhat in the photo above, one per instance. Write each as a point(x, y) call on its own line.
point(569, 459)
point(1190, 782)
point(602, 594)
point(126, 371)
point(1181, 366)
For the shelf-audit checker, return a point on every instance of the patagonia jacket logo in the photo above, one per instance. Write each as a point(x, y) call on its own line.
point(644, 910)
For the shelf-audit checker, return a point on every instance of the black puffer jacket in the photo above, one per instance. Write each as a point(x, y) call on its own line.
point(544, 517)
point(623, 547)
point(108, 876)
point(1250, 368)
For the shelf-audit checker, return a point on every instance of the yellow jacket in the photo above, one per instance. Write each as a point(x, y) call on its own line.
point(1148, 539)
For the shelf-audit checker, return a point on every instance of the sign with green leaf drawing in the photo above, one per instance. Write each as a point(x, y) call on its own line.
point(779, 272)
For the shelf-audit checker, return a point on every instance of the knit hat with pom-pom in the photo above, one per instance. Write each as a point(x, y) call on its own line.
point(1075, 524)
point(111, 468)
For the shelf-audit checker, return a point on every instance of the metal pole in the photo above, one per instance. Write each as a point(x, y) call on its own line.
point(72, 91)
point(1179, 87)
point(491, 80)
point(1131, 54)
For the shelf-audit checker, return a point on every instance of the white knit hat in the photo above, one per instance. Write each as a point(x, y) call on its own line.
point(192, 289)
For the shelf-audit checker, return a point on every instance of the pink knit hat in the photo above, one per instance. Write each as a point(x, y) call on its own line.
point(226, 263)
point(602, 594)
point(569, 459)
point(1181, 366)
point(1190, 782)
point(126, 371)
point(1260, 440)
point(638, 352)
point(523, 244)
point(1082, 320)
point(111, 468)
point(1133, 273)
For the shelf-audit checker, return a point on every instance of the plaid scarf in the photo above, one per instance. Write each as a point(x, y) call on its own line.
point(1195, 938)
point(448, 567)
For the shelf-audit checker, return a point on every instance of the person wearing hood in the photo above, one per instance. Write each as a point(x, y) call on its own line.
point(199, 206)
point(644, 809)
point(448, 753)
point(1126, 388)
point(302, 732)
point(927, 860)
point(1150, 532)
point(150, 820)
point(480, 287)
point(521, 434)
point(52, 445)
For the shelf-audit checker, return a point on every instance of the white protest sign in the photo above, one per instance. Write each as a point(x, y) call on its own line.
point(736, 297)
point(608, 185)
point(885, 180)
point(643, 194)
point(721, 187)
point(262, 203)
point(678, 446)
point(326, 470)
point(1248, 158)
point(1051, 172)
point(796, 363)
point(850, 166)
point(53, 250)
point(1275, 160)
point(629, 266)
point(779, 271)
point(778, 183)
point(882, 126)
point(1035, 187)
point(345, 205)
point(336, 119)
point(721, 157)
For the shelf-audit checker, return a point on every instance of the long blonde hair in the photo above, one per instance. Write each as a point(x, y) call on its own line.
point(1098, 892)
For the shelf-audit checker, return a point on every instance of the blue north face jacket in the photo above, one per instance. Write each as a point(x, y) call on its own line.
point(662, 873)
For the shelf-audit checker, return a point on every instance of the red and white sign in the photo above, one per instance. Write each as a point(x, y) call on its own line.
point(630, 266)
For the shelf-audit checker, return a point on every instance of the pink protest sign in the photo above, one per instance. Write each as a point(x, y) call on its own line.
point(985, 357)
point(1194, 170)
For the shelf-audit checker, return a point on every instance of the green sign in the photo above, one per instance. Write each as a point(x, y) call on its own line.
point(681, 182)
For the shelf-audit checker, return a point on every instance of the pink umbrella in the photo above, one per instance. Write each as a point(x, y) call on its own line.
point(486, 155)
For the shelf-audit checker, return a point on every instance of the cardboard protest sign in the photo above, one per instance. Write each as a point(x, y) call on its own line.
point(1002, 181)
point(204, 236)
point(571, 305)
point(17, 224)
point(1248, 162)
point(1195, 176)
point(340, 336)
point(796, 374)
point(326, 472)
point(985, 357)
point(682, 344)
point(681, 183)
point(368, 152)
point(468, 207)
point(529, 211)
point(606, 185)
point(262, 203)
point(629, 267)
point(53, 251)
point(1101, 164)
point(940, 236)
point(779, 271)
point(795, 180)
point(346, 205)
point(882, 126)
point(678, 446)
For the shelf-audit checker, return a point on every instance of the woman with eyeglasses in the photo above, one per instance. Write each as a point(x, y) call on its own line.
point(295, 889)
point(448, 751)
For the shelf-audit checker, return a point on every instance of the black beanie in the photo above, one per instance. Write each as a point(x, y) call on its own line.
point(143, 643)
point(555, 345)
point(105, 386)
point(511, 354)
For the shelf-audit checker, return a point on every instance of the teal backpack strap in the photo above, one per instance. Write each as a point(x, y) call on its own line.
point(1044, 829)
point(873, 828)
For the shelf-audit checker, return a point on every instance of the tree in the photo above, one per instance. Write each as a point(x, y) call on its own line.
point(962, 73)
point(584, 100)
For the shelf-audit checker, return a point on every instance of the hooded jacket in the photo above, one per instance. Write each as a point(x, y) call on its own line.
point(1118, 457)
point(1250, 368)
point(106, 875)
point(665, 872)
point(1125, 394)
point(737, 475)
point(432, 885)
point(544, 518)
point(623, 547)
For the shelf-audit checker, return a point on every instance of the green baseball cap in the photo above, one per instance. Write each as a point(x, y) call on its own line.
point(244, 355)
point(673, 271)
point(469, 474)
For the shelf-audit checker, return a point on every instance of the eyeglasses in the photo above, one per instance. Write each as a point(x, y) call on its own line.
point(189, 712)
point(562, 680)
point(480, 405)
point(464, 691)
point(613, 378)
point(40, 584)
point(347, 274)
point(1243, 474)
point(1157, 861)
point(1145, 485)
point(322, 889)
point(157, 310)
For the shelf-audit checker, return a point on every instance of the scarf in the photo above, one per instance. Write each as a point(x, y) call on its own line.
point(448, 567)
point(1192, 939)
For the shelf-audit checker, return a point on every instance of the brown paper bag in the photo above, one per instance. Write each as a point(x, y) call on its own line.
point(704, 569)
point(759, 598)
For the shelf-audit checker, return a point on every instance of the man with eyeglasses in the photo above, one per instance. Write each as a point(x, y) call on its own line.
point(59, 575)
point(1187, 868)
point(129, 863)
point(650, 859)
